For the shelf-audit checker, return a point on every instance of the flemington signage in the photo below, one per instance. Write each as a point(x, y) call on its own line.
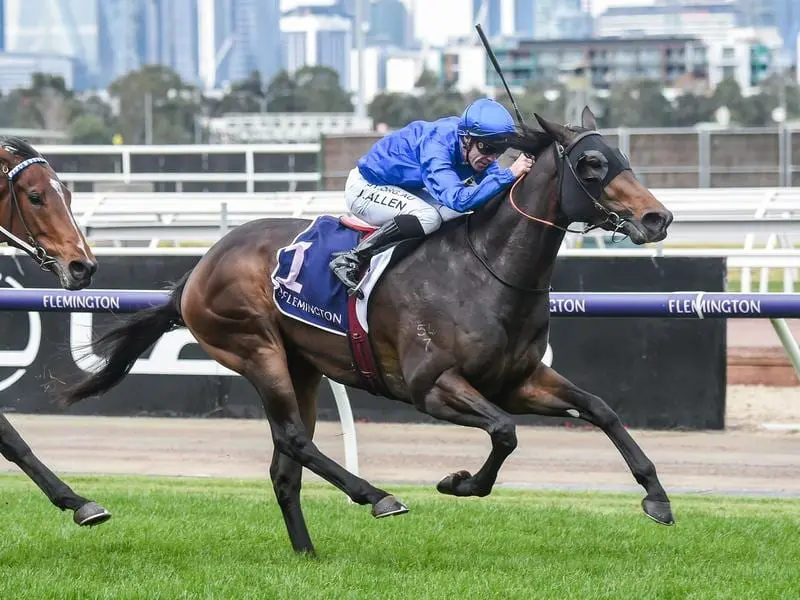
point(723, 306)
point(164, 359)
point(567, 305)
point(78, 302)
point(667, 372)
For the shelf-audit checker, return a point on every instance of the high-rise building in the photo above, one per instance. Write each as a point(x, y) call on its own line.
point(758, 13)
point(120, 35)
point(525, 18)
point(348, 7)
point(17, 68)
point(787, 19)
point(2, 25)
point(710, 20)
point(781, 14)
point(561, 19)
point(204, 41)
point(236, 38)
point(389, 23)
point(487, 14)
point(317, 36)
point(67, 28)
point(256, 39)
point(179, 38)
point(533, 19)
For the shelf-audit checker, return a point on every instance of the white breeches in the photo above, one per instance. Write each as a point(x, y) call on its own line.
point(377, 204)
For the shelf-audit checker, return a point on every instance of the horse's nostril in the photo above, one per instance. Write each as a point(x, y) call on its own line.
point(81, 269)
point(654, 221)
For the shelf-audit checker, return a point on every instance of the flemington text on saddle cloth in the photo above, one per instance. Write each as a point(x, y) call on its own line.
point(306, 289)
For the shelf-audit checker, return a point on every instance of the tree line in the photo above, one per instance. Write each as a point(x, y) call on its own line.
point(154, 104)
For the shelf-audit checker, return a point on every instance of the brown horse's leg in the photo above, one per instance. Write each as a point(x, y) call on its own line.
point(548, 393)
point(14, 449)
point(453, 399)
point(287, 473)
point(267, 369)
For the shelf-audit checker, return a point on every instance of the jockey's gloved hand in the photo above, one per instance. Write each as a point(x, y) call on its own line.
point(522, 165)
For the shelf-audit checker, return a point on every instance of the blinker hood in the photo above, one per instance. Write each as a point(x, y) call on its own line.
point(580, 197)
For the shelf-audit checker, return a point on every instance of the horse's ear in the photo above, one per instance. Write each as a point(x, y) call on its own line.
point(587, 119)
point(558, 132)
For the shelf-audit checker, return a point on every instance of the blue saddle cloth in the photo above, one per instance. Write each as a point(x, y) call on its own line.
point(305, 288)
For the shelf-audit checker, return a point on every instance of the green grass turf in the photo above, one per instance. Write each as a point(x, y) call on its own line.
point(198, 538)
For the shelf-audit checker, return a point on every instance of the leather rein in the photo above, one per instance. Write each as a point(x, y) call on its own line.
point(562, 158)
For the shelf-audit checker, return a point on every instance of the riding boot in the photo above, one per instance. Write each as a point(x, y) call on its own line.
point(346, 265)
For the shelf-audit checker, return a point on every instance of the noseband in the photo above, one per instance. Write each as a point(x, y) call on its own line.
point(32, 247)
point(562, 160)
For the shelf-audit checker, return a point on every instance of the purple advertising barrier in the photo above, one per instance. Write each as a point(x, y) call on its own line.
point(91, 301)
point(681, 305)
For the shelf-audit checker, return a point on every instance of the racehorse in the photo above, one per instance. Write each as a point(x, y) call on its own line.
point(36, 216)
point(459, 324)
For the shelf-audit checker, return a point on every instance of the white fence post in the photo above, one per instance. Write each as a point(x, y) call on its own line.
point(348, 426)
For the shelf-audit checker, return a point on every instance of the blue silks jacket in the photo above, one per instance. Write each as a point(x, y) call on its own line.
point(428, 155)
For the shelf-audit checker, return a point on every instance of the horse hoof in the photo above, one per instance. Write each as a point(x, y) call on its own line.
point(449, 485)
point(659, 511)
point(91, 514)
point(388, 506)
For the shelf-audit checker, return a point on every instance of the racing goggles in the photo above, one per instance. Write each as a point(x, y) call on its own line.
point(488, 149)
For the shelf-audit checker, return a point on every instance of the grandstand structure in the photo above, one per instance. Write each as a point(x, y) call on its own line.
point(324, 152)
point(261, 128)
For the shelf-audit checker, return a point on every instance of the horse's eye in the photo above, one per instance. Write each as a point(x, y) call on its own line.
point(35, 199)
point(593, 162)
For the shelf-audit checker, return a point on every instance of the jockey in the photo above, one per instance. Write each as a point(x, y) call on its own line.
point(414, 179)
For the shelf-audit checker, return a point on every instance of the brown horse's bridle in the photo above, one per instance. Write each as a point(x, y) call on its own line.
point(32, 247)
point(562, 158)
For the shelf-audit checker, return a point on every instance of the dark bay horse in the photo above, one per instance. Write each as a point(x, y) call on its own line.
point(477, 289)
point(36, 216)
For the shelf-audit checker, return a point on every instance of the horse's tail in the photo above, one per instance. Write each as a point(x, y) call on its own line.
point(123, 344)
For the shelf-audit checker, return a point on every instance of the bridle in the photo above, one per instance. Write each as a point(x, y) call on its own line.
point(561, 158)
point(32, 247)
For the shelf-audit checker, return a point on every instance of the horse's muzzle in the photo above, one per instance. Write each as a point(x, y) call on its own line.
point(651, 227)
point(77, 275)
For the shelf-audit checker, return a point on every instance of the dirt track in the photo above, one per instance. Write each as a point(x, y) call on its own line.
point(744, 459)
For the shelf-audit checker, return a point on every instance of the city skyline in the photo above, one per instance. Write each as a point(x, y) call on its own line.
point(212, 43)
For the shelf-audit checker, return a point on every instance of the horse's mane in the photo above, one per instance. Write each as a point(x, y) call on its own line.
point(525, 139)
point(529, 140)
point(19, 147)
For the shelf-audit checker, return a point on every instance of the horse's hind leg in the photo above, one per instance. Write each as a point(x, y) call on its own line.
point(14, 449)
point(286, 473)
point(269, 373)
point(267, 369)
point(548, 393)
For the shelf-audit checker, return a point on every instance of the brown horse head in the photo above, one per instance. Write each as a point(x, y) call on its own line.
point(598, 186)
point(36, 215)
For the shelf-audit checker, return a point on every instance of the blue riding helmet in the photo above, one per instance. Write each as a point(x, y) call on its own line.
point(485, 118)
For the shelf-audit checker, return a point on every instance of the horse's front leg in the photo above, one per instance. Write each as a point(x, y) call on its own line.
point(452, 399)
point(548, 393)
